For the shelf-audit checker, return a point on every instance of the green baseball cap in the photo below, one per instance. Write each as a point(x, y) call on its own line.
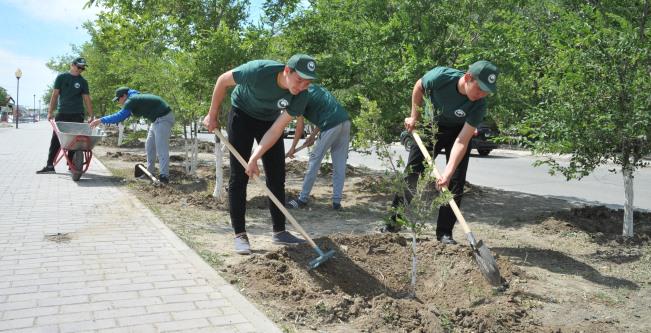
point(119, 92)
point(304, 65)
point(486, 74)
point(80, 62)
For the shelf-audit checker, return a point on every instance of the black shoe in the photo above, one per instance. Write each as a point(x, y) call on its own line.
point(296, 203)
point(336, 206)
point(447, 240)
point(164, 179)
point(46, 169)
point(392, 228)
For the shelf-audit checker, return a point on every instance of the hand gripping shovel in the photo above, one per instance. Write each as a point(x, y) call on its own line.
point(483, 255)
point(142, 170)
point(323, 256)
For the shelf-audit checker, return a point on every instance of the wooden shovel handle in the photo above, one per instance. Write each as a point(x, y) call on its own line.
point(435, 172)
point(267, 190)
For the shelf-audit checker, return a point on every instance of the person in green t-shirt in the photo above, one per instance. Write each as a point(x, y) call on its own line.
point(458, 108)
point(159, 113)
point(263, 89)
point(333, 123)
point(69, 96)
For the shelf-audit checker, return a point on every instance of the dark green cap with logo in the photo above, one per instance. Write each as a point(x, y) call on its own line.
point(80, 62)
point(486, 74)
point(304, 65)
point(119, 92)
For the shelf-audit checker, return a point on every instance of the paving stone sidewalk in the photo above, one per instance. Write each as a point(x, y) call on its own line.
point(87, 256)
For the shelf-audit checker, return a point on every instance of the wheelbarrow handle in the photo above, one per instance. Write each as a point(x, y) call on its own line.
point(435, 172)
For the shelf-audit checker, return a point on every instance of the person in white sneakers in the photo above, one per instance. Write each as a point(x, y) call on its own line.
point(263, 90)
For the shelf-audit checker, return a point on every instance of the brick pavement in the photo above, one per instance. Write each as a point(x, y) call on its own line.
point(87, 256)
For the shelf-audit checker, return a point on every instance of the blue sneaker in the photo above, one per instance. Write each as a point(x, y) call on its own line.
point(286, 238)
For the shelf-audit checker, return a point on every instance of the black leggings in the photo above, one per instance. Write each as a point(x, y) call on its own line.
point(242, 129)
point(444, 141)
point(54, 142)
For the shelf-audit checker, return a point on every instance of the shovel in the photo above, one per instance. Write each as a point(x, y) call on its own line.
point(142, 170)
point(482, 253)
point(323, 256)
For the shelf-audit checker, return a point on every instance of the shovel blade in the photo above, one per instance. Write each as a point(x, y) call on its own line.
point(314, 263)
point(487, 264)
point(137, 172)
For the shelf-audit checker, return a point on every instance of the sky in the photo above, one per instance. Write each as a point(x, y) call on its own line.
point(35, 31)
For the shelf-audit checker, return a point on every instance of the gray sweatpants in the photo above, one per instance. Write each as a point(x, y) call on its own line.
point(158, 143)
point(336, 139)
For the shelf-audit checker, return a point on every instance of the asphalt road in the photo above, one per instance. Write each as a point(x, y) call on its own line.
point(513, 170)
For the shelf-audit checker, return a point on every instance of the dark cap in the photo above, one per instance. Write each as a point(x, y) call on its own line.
point(119, 92)
point(304, 65)
point(486, 74)
point(80, 62)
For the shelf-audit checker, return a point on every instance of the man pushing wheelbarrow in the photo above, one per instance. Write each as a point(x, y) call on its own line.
point(69, 96)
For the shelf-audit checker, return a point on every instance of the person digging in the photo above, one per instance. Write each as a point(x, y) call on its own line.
point(459, 106)
point(159, 113)
point(267, 95)
point(333, 125)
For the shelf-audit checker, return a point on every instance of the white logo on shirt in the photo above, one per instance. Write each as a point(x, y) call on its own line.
point(459, 113)
point(311, 66)
point(492, 78)
point(283, 103)
point(77, 85)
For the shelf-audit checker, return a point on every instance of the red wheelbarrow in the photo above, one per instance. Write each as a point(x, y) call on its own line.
point(77, 140)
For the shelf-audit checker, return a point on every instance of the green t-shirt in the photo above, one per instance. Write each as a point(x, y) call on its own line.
point(450, 107)
point(147, 106)
point(71, 88)
point(257, 92)
point(323, 109)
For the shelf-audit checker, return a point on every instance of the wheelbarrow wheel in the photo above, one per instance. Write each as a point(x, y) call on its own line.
point(78, 163)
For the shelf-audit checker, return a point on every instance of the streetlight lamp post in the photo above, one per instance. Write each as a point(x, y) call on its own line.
point(19, 73)
point(34, 111)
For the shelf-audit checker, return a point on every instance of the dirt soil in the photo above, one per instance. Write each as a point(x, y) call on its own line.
point(566, 267)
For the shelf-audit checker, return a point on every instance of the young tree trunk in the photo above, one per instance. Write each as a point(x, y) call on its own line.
point(414, 265)
point(628, 202)
point(219, 172)
point(120, 133)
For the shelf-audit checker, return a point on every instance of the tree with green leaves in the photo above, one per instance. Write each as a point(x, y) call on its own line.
point(596, 92)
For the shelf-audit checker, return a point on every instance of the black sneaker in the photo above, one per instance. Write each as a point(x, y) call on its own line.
point(164, 179)
point(336, 206)
point(296, 203)
point(392, 228)
point(447, 240)
point(46, 169)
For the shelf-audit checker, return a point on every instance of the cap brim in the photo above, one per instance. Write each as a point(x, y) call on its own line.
point(489, 88)
point(306, 76)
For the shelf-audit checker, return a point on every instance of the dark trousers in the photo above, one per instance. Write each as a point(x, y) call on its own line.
point(242, 130)
point(444, 141)
point(54, 142)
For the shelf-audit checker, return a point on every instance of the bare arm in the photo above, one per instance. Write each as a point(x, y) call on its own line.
point(268, 140)
point(416, 102)
point(89, 106)
point(53, 103)
point(225, 81)
point(456, 155)
point(300, 124)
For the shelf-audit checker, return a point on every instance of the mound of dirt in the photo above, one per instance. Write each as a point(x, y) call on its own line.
point(367, 285)
point(602, 224)
point(127, 157)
